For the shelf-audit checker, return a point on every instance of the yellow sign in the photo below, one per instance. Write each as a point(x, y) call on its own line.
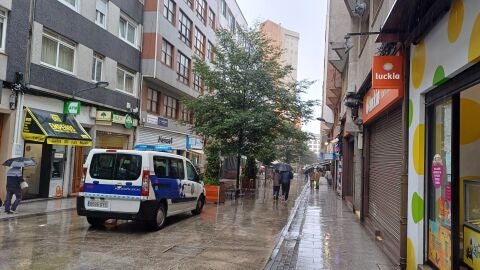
point(68, 142)
point(34, 137)
point(471, 249)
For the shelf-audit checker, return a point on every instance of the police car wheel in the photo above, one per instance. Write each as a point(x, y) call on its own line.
point(96, 222)
point(199, 208)
point(159, 217)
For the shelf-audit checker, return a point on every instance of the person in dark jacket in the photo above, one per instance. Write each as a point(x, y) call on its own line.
point(285, 178)
point(14, 178)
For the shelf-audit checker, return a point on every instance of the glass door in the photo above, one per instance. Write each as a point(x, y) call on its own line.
point(32, 174)
point(439, 185)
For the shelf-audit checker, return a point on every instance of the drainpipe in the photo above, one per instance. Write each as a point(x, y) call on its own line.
point(404, 174)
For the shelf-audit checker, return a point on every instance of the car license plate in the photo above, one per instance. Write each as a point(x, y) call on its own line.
point(98, 204)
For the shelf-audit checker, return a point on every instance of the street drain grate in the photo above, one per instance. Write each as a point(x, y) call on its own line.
point(184, 250)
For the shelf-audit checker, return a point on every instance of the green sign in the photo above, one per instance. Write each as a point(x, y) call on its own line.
point(128, 121)
point(71, 107)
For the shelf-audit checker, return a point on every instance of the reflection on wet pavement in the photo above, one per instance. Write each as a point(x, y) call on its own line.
point(236, 235)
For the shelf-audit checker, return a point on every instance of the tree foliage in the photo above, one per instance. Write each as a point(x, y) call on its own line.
point(249, 103)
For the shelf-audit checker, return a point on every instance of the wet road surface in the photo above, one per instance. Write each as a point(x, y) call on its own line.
point(236, 235)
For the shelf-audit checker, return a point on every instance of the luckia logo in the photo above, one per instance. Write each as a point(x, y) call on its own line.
point(389, 75)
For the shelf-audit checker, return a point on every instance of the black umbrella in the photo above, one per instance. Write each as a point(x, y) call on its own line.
point(19, 162)
point(282, 167)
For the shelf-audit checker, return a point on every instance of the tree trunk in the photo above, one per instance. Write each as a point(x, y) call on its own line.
point(239, 160)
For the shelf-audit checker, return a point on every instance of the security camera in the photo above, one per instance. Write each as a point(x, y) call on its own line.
point(360, 8)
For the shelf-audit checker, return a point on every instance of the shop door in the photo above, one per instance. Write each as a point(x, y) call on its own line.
point(440, 185)
point(77, 168)
point(385, 165)
point(32, 174)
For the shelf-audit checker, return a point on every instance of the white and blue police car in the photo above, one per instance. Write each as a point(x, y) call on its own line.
point(147, 184)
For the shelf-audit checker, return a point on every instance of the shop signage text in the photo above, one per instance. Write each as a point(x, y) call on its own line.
point(72, 107)
point(165, 140)
point(162, 122)
point(378, 100)
point(387, 72)
point(194, 143)
point(155, 120)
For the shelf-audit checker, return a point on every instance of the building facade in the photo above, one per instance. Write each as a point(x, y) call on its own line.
point(175, 32)
point(314, 144)
point(287, 41)
point(61, 63)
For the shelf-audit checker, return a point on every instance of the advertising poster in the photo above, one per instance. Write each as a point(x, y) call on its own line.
point(471, 251)
point(437, 171)
point(439, 245)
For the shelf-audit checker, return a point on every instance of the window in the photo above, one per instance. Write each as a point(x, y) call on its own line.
point(116, 167)
point(125, 80)
point(211, 19)
point(152, 100)
point(128, 30)
point(186, 115)
point(191, 172)
point(185, 29)
point(169, 10)
point(170, 107)
point(199, 43)
point(3, 28)
point(224, 8)
point(189, 3)
point(101, 15)
point(210, 53)
point(73, 4)
point(167, 49)
point(183, 70)
point(197, 83)
point(57, 52)
point(201, 9)
point(166, 167)
point(97, 68)
point(231, 21)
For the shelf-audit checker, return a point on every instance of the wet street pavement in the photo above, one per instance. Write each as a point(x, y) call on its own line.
point(239, 234)
point(325, 234)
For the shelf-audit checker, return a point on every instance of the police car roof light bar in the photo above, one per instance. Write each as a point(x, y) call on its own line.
point(158, 148)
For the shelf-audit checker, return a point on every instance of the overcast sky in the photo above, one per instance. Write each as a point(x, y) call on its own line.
point(306, 17)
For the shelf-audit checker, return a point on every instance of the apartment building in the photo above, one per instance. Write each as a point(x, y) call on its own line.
point(76, 68)
point(174, 32)
point(314, 144)
point(285, 39)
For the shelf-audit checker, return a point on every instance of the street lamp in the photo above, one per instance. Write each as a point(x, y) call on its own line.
point(72, 106)
point(96, 85)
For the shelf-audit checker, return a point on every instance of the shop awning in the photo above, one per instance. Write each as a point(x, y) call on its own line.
point(54, 128)
point(200, 152)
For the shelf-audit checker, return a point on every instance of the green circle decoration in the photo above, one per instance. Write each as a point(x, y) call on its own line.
point(417, 208)
point(439, 76)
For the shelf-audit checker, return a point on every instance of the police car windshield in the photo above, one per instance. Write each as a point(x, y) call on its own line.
point(113, 166)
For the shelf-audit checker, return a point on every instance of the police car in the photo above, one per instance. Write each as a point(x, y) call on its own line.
point(147, 184)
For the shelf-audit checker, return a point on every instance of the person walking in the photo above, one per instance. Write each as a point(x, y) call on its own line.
point(315, 179)
point(328, 176)
point(276, 185)
point(14, 179)
point(285, 178)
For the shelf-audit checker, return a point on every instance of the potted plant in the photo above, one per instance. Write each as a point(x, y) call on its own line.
point(214, 189)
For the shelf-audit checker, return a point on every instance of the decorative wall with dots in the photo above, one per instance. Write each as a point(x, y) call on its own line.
point(449, 48)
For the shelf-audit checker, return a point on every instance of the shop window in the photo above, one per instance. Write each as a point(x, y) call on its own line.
point(440, 186)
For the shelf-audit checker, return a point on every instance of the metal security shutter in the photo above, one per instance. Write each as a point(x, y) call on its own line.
point(150, 136)
point(385, 167)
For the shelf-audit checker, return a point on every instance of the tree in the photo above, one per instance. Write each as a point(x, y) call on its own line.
point(248, 102)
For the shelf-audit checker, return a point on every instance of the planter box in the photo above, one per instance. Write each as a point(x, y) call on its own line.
point(215, 194)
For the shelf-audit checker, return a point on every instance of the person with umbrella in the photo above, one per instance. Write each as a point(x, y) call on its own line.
point(286, 176)
point(15, 182)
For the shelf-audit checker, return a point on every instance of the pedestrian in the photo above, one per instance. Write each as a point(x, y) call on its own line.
point(285, 178)
point(328, 176)
point(315, 179)
point(276, 184)
point(305, 172)
point(14, 179)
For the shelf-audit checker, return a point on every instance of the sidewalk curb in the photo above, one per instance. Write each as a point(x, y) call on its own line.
point(281, 238)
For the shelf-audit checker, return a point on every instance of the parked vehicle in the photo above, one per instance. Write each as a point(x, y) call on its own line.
point(138, 185)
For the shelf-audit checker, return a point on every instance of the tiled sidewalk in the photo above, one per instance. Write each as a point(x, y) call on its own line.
point(325, 234)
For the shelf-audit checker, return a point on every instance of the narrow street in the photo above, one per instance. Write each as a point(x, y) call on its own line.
point(236, 235)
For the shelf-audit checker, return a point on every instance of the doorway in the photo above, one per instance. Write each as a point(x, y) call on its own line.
point(32, 174)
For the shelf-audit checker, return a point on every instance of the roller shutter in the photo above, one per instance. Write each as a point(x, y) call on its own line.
point(385, 167)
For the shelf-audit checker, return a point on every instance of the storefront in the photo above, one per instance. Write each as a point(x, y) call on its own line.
point(153, 136)
point(444, 175)
point(383, 144)
point(47, 135)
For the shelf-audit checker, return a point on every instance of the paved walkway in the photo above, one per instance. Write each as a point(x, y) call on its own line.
point(39, 207)
point(324, 234)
